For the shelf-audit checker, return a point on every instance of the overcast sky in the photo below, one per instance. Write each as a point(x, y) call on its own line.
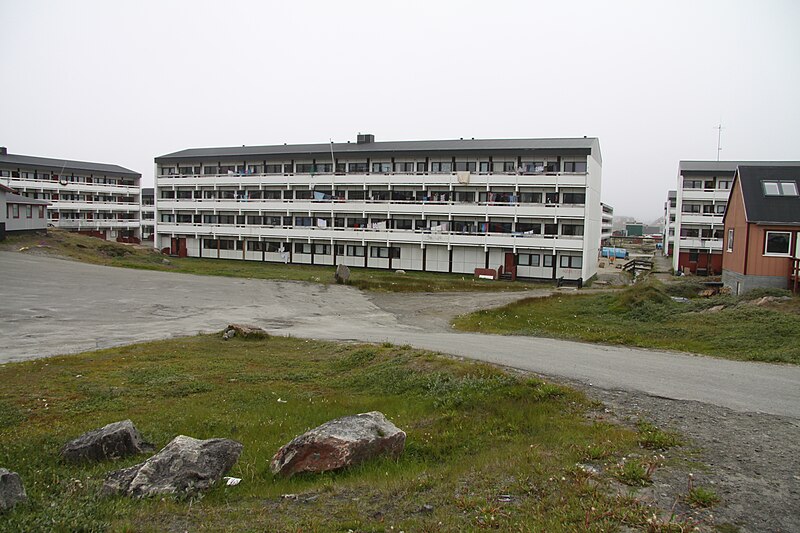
point(124, 82)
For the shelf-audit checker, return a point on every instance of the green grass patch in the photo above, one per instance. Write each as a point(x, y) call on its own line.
point(702, 497)
point(97, 251)
point(485, 449)
point(646, 315)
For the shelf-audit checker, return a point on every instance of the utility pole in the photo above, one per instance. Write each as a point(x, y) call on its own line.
point(719, 139)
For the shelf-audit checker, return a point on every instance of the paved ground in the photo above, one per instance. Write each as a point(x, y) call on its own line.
point(744, 418)
point(53, 306)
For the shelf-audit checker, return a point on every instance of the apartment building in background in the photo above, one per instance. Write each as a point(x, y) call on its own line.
point(529, 208)
point(703, 190)
point(606, 222)
point(670, 219)
point(92, 198)
point(147, 214)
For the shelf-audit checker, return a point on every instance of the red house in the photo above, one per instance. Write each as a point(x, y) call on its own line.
point(761, 245)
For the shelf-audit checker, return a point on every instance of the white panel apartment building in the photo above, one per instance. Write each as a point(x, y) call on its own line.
point(148, 214)
point(93, 198)
point(670, 217)
point(530, 206)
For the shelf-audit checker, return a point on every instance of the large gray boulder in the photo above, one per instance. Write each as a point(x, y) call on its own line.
point(342, 275)
point(11, 490)
point(340, 443)
point(185, 465)
point(118, 439)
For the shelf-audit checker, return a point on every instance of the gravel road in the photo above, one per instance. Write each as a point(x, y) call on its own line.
point(743, 418)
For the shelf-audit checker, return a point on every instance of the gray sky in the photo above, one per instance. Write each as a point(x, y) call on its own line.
point(123, 82)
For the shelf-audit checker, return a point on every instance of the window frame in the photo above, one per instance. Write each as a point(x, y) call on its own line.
point(729, 244)
point(788, 251)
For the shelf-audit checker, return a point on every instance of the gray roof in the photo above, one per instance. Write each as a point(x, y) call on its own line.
point(584, 145)
point(14, 198)
point(62, 165)
point(762, 209)
point(726, 166)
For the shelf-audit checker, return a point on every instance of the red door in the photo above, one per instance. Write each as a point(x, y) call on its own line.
point(509, 265)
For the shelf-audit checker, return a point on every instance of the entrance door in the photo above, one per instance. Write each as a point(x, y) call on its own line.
point(509, 263)
point(178, 247)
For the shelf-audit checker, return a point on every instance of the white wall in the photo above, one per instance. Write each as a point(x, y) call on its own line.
point(593, 222)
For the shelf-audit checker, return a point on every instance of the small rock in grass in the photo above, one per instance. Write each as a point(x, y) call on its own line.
point(11, 490)
point(118, 439)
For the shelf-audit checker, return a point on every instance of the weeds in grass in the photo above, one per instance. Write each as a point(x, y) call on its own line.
point(637, 472)
point(654, 438)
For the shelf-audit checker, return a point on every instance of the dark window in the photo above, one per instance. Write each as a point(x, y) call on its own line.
point(571, 229)
point(530, 197)
point(404, 167)
point(422, 166)
point(777, 242)
point(574, 198)
point(694, 255)
point(465, 166)
point(551, 229)
point(303, 221)
point(355, 251)
point(339, 249)
point(322, 249)
point(402, 223)
point(575, 166)
point(381, 168)
point(548, 261)
point(273, 169)
point(551, 198)
point(302, 248)
point(358, 168)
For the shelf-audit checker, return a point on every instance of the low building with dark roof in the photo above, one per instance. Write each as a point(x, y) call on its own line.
point(20, 214)
point(524, 207)
point(762, 229)
point(94, 198)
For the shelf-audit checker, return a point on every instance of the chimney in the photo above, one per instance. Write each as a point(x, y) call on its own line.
point(365, 138)
point(3, 150)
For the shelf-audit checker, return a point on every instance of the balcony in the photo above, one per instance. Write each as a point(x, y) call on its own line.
point(510, 240)
point(21, 184)
point(381, 207)
point(715, 245)
point(560, 179)
point(82, 205)
point(94, 224)
point(718, 195)
point(701, 218)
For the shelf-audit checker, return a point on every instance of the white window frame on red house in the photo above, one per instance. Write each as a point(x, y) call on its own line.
point(788, 251)
point(730, 240)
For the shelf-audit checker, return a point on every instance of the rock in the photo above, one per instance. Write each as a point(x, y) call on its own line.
point(340, 443)
point(764, 300)
point(185, 465)
point(245, 331)
point(401, 272)
point(115, 440)
point(715, 309)
point(166, 261)
point(11, 490)
point(342, 275)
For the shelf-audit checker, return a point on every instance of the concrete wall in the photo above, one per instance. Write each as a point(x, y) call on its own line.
point(739, 283)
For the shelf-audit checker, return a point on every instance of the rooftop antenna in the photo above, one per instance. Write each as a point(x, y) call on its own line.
point(719, 138)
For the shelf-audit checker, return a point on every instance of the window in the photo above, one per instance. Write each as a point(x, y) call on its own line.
point(694, 255)
point(302, 248)
point(572, 229)
point(338, 249)
point(723, 184)
point(15, 210)
point(690, 232)
point(548, 261)
point(422, 166)
point(322, 249)
point(464, 166)
point(530, 197)
point(273, 169)
point(692, 184)
point(529, 260)
point(730, 240)
point(484, 166)
point(575, 166)
point(355, 251)
point(358, 168)
point(302, 221)
point(28, 211)
point(779, 188)
point(550, 229)
point(720, 209)
point(690, 208)
point(404, 167)
point(440, 167)
point(255, 246)
point(571, 261)
point(402, 223)
point(551, 197)
point(384, 252)
point(381, 168)
point(41, 211)
point(225, 244)
point(777, 243)
point(209, 170)
point(574, 198)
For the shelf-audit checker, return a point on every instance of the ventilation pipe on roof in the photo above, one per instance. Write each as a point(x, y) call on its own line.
point(365, 138)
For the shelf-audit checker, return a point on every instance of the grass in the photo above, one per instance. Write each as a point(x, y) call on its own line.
point(702, 497)
point(97, 251)
point(485, 448)
point(645, 315)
